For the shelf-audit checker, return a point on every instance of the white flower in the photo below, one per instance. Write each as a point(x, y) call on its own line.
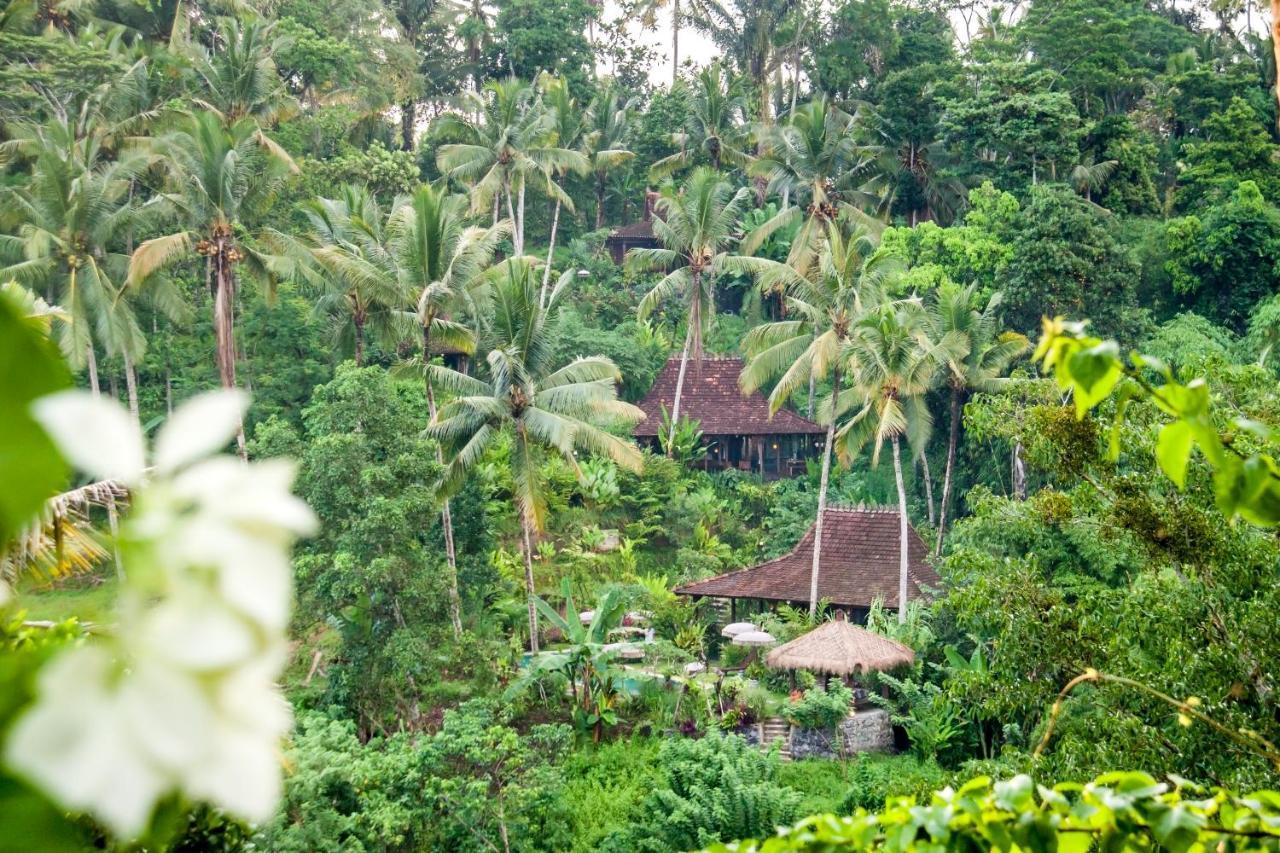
point(183, 699)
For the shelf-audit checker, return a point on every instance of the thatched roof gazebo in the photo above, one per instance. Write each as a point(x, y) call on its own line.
point(840, 648)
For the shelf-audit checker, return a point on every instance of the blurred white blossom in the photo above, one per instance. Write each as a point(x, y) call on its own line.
point(183, 697)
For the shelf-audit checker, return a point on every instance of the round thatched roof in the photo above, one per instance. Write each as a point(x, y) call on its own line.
point(838, 648)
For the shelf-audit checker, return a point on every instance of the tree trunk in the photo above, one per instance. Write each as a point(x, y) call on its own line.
point(928, 485)
point(446, 516)
point(1275, 47)
point(952, 440)
point(813, 390)
point(675, 39)
point(675, 403)
point(600, 188)
point(224, 326)
point(517, 239)
point(551, 250)
point(408, 123)
point(822, 503)
point(1019, 473)
point(357, 320)
point(902, 532)
point(92, 363)
point(520, 213)
point(528, 582)
point(131, 383)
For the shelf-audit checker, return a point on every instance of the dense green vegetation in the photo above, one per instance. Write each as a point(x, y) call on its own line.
point(388, 222)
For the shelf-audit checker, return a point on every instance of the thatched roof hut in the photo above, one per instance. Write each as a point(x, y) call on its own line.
point(840, 648)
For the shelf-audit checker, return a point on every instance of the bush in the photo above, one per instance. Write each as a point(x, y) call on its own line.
point(713, 789)
point(875, 778)
point(606, 785)
point(819, 708)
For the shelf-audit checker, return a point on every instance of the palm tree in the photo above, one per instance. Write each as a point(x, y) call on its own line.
point(827, 302)
point(892, 367)
point(239, 80)
point(442, 260)
point(70, 221)
point(977, 357)
point(347, 264)
point(647, 10)
point(715, 125)
point(812, 157)
point(695, 227)
point(606, 129)
point(567, 129)
point(548, 409)
point(216, 174)
point(503, 139)
point(748, 32)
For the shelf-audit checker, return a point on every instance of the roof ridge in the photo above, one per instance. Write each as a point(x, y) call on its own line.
point(887, 509)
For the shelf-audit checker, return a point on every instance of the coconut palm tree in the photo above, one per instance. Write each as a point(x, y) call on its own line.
point(696, 227)
point(346, 263)
point(568, 129)
point(70, 221)
point(238, 79)
point(216, 173)
point(715, 125)
point(502, 139)
point(812, 158)
point(606, 129)
point(892, 366)
point(848, 279)
point(977, 357)
point(441, 260)
point(647, 10)
point(548, 409)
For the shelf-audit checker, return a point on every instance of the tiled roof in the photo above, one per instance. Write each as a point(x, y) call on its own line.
point(859, 565)
point(712, 397)
point(642, 230)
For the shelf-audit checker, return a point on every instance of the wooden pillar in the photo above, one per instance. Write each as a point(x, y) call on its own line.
point(760, 454)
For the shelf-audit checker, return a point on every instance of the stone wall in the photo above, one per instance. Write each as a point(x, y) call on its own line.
point(868, 731)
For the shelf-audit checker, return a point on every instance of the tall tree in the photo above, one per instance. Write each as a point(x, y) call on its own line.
point(714, 129)
point(696, 227)
point(606, 132)
point(502, 139)
point(567, 132)
point(216, 174)
point(892, 367)
point(977, 355)
point(443, 261)
point(238, 80)
point(826, 302)
point(548, 409)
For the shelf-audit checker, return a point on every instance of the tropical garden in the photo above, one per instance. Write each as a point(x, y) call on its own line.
point(323, 524)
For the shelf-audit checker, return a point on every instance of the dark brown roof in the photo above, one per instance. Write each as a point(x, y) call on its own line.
point(642, 230)
point(859, 565)
point(712, 397)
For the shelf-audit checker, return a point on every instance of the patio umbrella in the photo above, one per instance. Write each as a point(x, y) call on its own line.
point(733, 629)
point(754, 638)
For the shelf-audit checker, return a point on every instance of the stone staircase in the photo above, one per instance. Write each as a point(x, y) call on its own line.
point(776, 728)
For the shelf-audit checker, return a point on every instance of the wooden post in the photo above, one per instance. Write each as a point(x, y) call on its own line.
point(760, 455)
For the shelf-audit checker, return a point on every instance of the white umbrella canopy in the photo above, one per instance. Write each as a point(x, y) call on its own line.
point(586, 616)
point(754, 638)
point(733, 629)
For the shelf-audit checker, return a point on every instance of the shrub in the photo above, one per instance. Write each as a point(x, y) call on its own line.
point(819, 708)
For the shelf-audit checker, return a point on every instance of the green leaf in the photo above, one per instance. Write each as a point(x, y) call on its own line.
point(1093, 372)
point(31, 468)
point(1173, 451)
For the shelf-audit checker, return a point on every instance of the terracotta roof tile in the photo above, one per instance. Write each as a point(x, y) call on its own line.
point(712, 397)
point(859, 564)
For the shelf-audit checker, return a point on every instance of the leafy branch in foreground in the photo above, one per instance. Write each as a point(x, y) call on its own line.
point(1246, 482)
point(1117, 811)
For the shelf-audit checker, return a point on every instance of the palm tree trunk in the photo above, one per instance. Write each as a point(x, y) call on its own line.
point(224, 326)
point(131, 382)
point(600, 188)
point(528, 582)
point(408, 121)
point(1019, 473)
point(446, 516)
point(357, 320)
point(551, 250)
point(520, 211)
point(517, 238)
point(952, 439)
point(813, 390)
point(822, 503)
point(92, 364)
point(928, 484)
point(902, 532)
point(675, 404)
point(675, 40)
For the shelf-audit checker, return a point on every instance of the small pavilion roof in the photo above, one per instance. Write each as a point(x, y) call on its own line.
point(840, 648)
point(860, 548)
point(713, 397)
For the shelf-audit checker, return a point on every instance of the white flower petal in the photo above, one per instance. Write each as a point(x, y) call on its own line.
point(96, 434)
point(241, 773)
point(167, 712)
point(201, 636)
point(200, 427)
